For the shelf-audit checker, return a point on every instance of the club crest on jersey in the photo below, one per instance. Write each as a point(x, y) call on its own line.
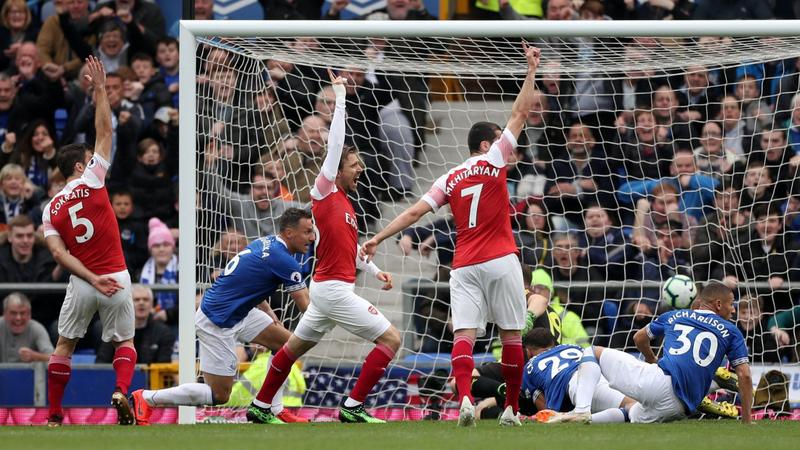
point(351, 220)
point(372, 310)
point(92, 163)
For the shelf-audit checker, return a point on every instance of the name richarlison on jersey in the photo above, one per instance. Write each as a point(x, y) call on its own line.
point(709, 320)
point(474, 170)
point(77, 193)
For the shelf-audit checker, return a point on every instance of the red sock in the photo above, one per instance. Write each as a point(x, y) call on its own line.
point(511, 368)
point(58, 371)
point(124, 363)
point(278, 371)
point(372, 370)
point(462, 365)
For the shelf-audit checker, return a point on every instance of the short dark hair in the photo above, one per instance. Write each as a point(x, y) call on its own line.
point(714, 290)
point(69, 155)
point(539, 338)
point(168, 40)
point(767, 209)
point(481, 131)
point(292, 217)
point(142, 57)
point(122, 193)
point(20, 221)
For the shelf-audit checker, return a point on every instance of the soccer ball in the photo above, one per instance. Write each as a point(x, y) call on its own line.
point(679, 291)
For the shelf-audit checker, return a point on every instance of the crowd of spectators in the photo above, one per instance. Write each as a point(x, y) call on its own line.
point(633, 177)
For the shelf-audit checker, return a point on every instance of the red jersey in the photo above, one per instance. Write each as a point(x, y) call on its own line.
point(82, 216)
point(478, 196)
point(337, 237)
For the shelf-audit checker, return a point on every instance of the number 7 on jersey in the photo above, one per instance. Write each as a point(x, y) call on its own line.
point(475, 192)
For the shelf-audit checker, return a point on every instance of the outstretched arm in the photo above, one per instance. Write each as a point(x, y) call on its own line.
point(96, 75)
point(407, 218)
point(330, 167)
point(527, 94)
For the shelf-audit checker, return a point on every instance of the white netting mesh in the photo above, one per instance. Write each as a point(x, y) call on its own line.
point(617, 119)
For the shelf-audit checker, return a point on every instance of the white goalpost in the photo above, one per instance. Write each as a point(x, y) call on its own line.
point(252, 102)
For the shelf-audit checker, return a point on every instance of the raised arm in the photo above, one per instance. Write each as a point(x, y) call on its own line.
point(330, 167)
point(96, 75)
point(527, 94)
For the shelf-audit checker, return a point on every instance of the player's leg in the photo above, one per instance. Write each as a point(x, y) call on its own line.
point(363, 319)
point(218, 362)
point(76, 314)
point(312, 327)
point(117, 319)
point(610, 405)
point(507, 307)
point(274, 336)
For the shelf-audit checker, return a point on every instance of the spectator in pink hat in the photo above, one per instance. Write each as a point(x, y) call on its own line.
point(162, 268)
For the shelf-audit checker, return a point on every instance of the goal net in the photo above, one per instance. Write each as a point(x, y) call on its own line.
point(643, 158)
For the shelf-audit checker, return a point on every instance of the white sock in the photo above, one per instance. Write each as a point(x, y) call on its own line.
point(588, 376)
point(189, 394)
point(261, 404)
point(349, 403)
point(613, 415)
point(277, 400)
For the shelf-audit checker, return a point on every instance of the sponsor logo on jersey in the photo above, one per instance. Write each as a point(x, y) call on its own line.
point(476, 170)
point(351, 220)
point(372, 310)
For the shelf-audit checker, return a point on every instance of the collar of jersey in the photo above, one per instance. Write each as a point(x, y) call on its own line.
point(279, 239)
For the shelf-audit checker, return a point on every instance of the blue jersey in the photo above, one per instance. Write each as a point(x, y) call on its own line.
point(249, 278)
point(549, 372)
point(695, 341)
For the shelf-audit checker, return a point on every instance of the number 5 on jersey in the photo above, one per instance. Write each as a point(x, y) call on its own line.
point(475, 192)
point(78, 221)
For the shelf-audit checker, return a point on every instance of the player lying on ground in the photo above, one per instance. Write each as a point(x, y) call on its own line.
point(233, 310)
point(333, 301)
point(485, 262)
point(82, 234)
point(695, 341)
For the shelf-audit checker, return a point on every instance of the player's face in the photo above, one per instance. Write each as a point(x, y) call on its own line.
point(22, 239)
point(301, 236)
point(350, 172)
point(17, 317)
point(725, 307)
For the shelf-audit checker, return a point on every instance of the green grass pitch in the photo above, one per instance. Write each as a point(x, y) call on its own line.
point(695, 435)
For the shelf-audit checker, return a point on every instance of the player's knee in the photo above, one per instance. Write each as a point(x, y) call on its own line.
point(391, 339)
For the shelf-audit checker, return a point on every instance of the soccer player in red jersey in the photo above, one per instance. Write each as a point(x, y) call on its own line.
point(81, 232)
point(333, 301)
point(486, 281)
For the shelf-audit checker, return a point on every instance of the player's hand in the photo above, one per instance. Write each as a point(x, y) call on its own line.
point(367, 250)
point(106, 285)
point(338, 84)
point(95, 72)
point(533, 55)
point(386, 278)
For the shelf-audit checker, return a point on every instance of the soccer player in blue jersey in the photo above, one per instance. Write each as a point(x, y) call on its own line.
point(570, 380)
point(233, 310)
point(695, 342)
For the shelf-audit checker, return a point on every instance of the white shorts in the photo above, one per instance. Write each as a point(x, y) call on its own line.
point(646, 383)
point(604, 397)
point(492, 291)
point(334, 303)
point(218, 345)
point(83, 300)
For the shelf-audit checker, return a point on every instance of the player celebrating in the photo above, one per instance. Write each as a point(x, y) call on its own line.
point(695, 341)
point(333, 301)
point(485, 262)
point(232, 310)
point(82, 234)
